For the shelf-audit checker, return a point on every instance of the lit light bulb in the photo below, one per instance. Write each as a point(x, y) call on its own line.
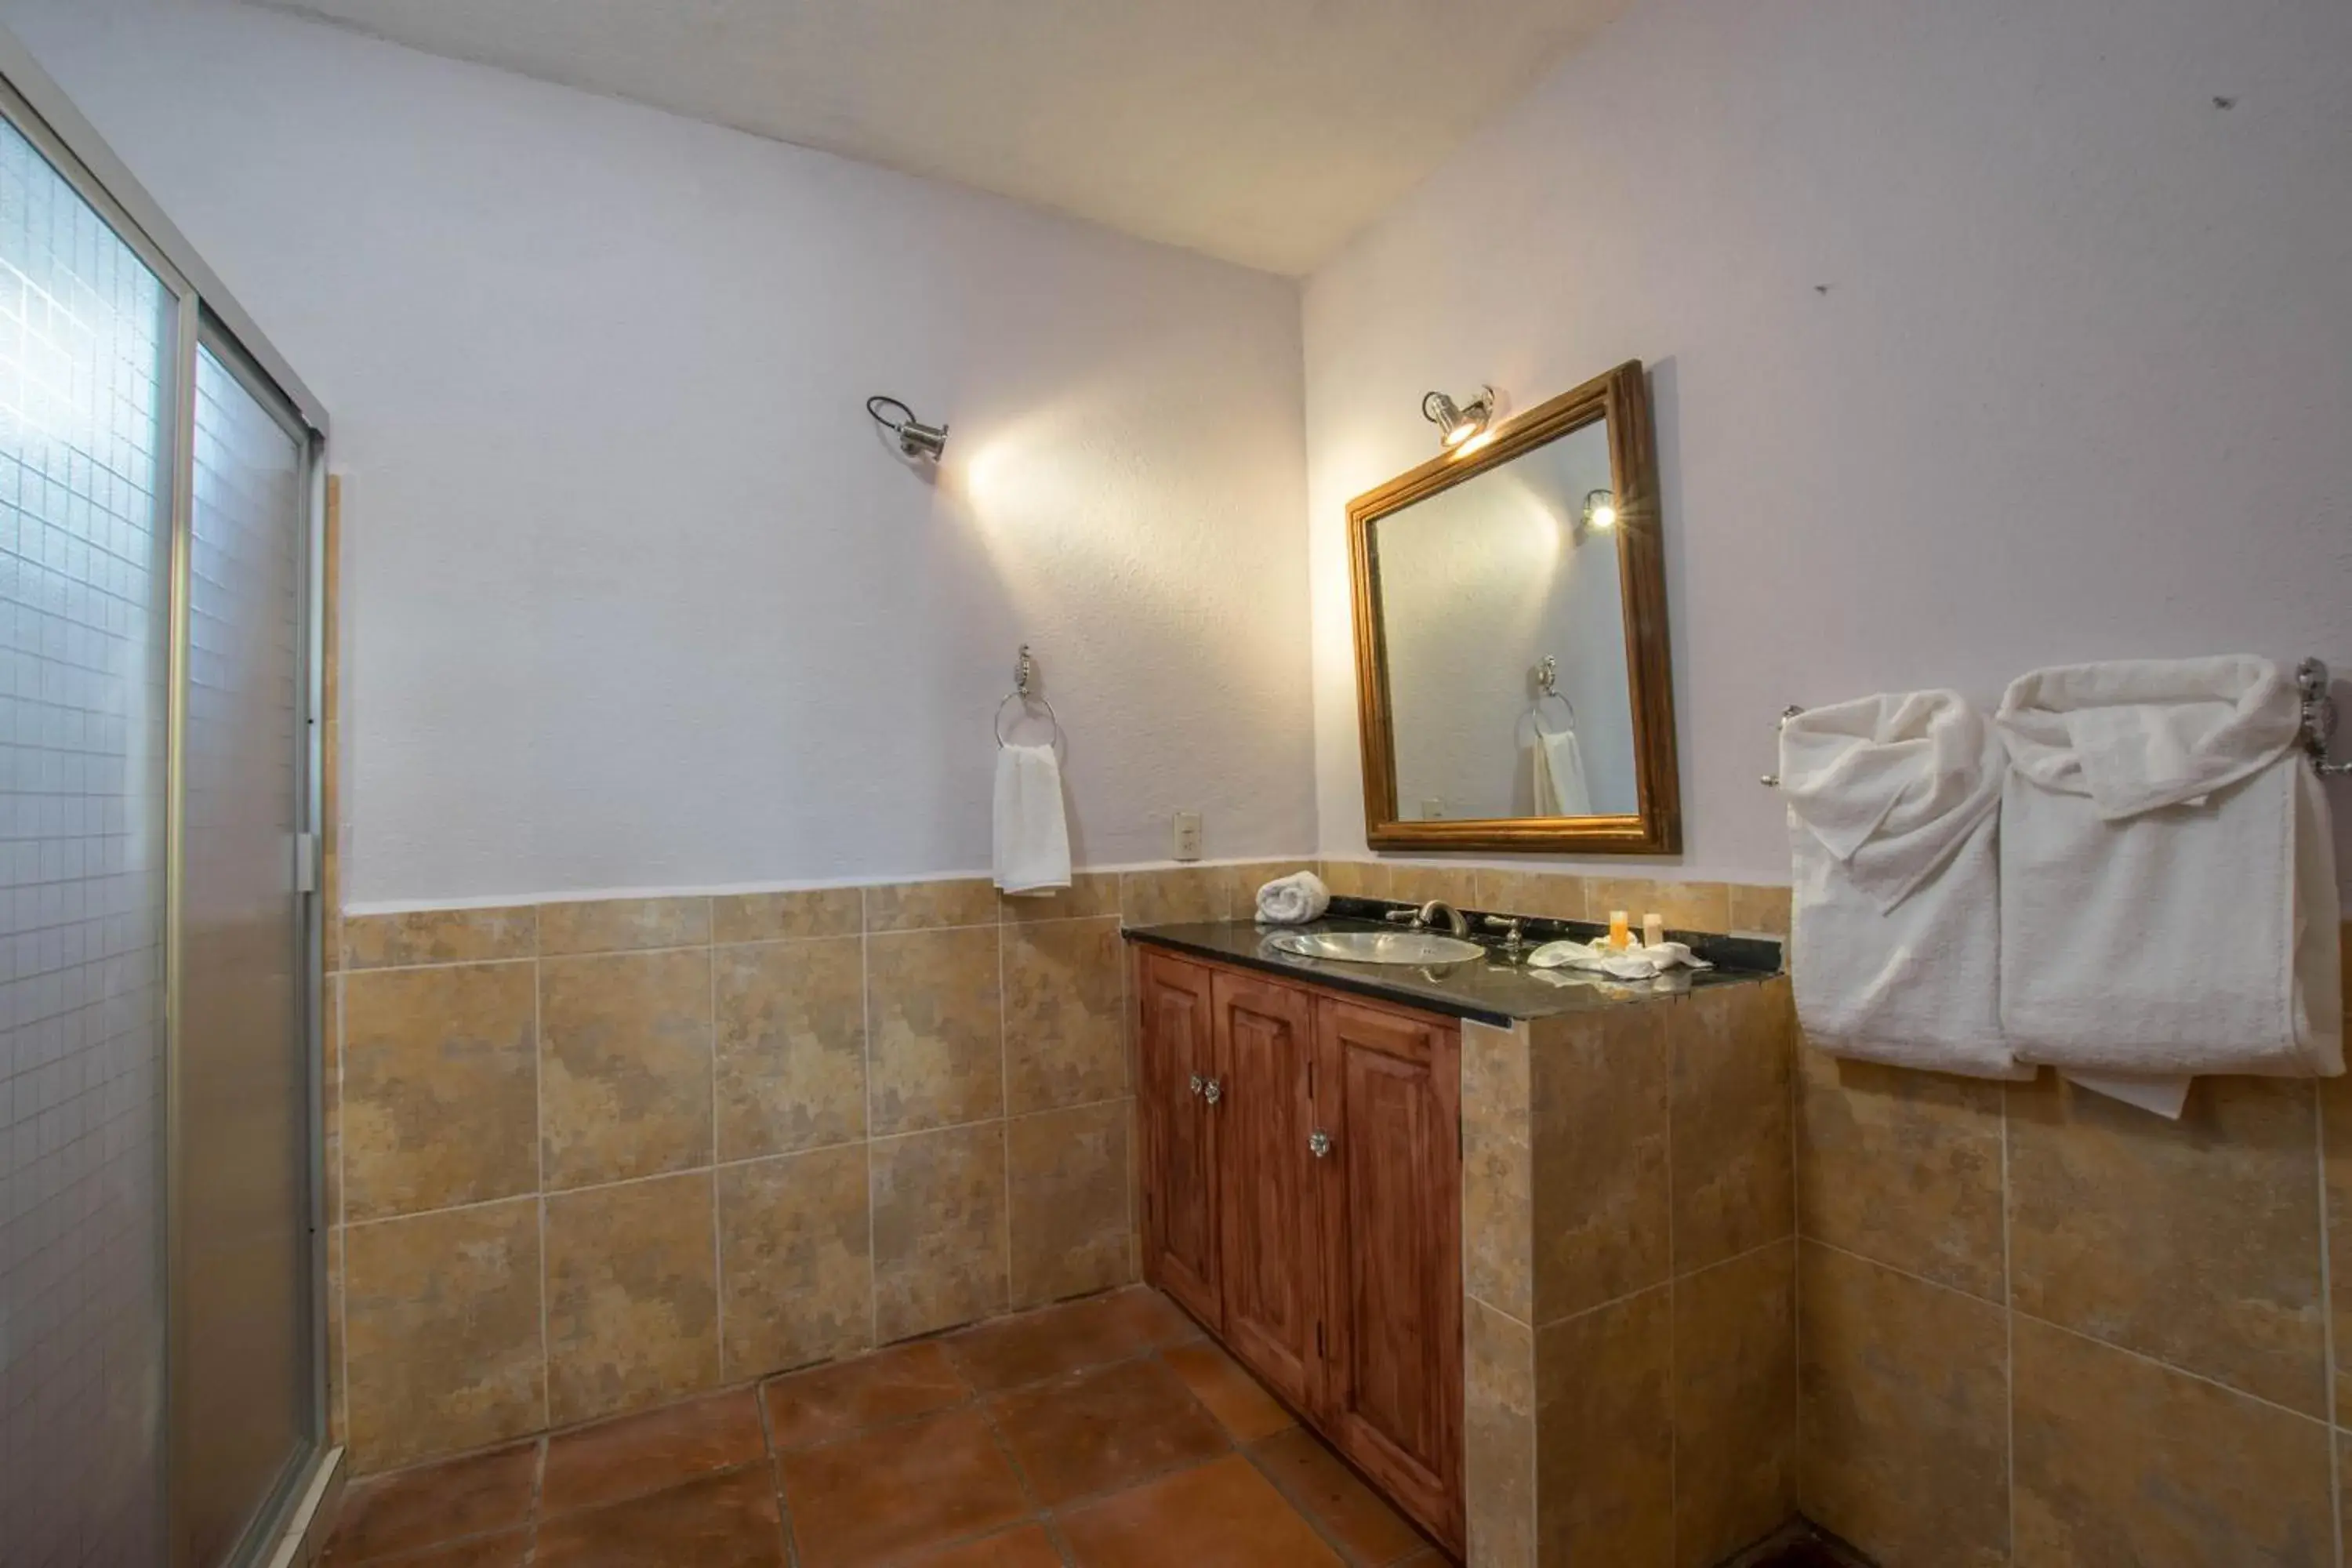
point(1599, 510)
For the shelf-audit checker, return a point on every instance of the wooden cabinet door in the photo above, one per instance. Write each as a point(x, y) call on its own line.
point(1265, 1208)
point(1177, 1040)
point(1388, 1097)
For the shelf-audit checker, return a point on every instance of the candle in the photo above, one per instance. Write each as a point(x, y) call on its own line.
point(1653, 930)
point(1618, 932)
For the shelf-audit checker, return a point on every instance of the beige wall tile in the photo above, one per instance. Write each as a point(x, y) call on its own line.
point(2121, 1461)
point(1904, 1167)
point(1498, 1438)
point(1605, 1436)
point(1173, 895)
point(338, 1425)
point(2335, 1115)
point(1733, 1187)
point(1457, 885)
point(1353, 878)
point(1497, 1169)
point(632, 1297)
point(625, 1065)
point(442, 1333)
point(1758, 911)
point(795, 1266)
point(929, 905)
point(1599, 1085)
point(939, 1230)
point(439, 936)
point(779, 916)
point(2196, 1242)
point(1068, 1201)
point(789, 1043)
point(331, 1098)
point(1686, 906)
point(620, 925)
point(1735, 1404)
point(935, 1051)
point(1064, 1013)
point(440, 1101)
point(1903, 1406)
point(1553, 895)
point(1091, 895)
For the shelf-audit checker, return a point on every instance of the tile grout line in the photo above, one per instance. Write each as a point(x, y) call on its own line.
point(2328, 1395)
point(2009, 1340)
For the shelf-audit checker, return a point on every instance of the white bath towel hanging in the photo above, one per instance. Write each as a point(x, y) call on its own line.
point(1560, 789)
point(1033, 834)
point(2167, 878)
point(1893, 817)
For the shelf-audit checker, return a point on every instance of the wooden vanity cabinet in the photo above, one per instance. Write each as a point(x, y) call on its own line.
point(1302, 1198)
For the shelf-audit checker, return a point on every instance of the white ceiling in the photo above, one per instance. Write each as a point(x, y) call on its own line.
point(1264, 132)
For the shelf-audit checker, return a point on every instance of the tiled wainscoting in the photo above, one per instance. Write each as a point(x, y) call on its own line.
point(589, 1157)
point(2038, 1326)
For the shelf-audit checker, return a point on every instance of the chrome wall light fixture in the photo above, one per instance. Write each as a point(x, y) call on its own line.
point(1456, 423)
point(916, 439)
point(1599, 510)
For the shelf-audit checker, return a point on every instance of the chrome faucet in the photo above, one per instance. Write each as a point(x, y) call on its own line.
point(1435, 913)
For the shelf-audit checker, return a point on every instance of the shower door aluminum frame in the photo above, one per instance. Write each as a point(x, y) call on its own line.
point(208, 316)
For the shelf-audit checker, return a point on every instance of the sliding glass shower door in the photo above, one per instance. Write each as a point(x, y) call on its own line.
point(161, 1381)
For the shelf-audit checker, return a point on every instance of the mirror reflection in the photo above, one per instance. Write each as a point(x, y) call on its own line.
point(1501, 603)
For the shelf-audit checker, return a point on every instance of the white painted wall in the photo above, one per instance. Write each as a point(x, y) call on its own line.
point(637, 598)
point(2080, 386)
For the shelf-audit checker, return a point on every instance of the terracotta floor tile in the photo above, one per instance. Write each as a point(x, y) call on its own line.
point(899, 1489)
point(829, 1402)
point(505, 1549)
point(1369, 1532)
point(435, 1503)
point(639, 1454)
point(1095, 1432)
point(1046, 1343)
point(1027, 1547)
point(728, 1520)
point(1232, 1395)
point(1223, 1513)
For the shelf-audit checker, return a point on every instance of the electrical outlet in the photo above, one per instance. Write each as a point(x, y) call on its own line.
point(1188, 836)
point(1432, 809)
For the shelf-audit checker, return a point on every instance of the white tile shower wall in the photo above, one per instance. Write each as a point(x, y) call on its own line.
point(639, 596)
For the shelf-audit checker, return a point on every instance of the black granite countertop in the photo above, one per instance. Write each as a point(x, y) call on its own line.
point(1495, 991)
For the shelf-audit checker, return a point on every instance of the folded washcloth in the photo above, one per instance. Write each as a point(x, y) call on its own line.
point(1634, 962)
point(1292, 900)
point(1033, 836)
point(2167, 878)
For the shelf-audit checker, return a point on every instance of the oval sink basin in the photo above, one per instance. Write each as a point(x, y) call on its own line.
point(1379, 946)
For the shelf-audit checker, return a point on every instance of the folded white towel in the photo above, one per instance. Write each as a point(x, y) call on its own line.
point(1895, 941)
point(1033, 837)
point(1560, 789)
point(2169, 901)
point(1292, 900)
point(1635, 963)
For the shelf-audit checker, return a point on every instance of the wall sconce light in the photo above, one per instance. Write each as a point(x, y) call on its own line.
point(916, 439)
point(1456, 423)
point(1600, 510)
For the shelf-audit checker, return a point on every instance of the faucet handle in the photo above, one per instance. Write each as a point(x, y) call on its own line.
point(1403, 917)
point(1513, 930)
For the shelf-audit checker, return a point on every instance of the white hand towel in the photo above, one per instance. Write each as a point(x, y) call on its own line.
point(2168, 902)
point(1033, 837)
point(1292, 900)
point(1635, 963)
point(1560, 789)
point(1895, 943)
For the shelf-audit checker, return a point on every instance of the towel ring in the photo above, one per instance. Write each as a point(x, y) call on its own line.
point(1548, 688)
point(1023, 674)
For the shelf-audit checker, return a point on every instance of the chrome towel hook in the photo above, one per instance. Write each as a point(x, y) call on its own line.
point(2311, 681)
point(1773, 780)
point(1023, 677)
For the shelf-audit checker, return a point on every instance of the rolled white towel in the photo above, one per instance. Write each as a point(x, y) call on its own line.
point(1292, 900)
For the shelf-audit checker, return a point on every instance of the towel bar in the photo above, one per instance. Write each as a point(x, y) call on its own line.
point(1023, 674)
point(2311, 682)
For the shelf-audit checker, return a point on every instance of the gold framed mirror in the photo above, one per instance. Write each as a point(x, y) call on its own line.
point(1512, 675)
